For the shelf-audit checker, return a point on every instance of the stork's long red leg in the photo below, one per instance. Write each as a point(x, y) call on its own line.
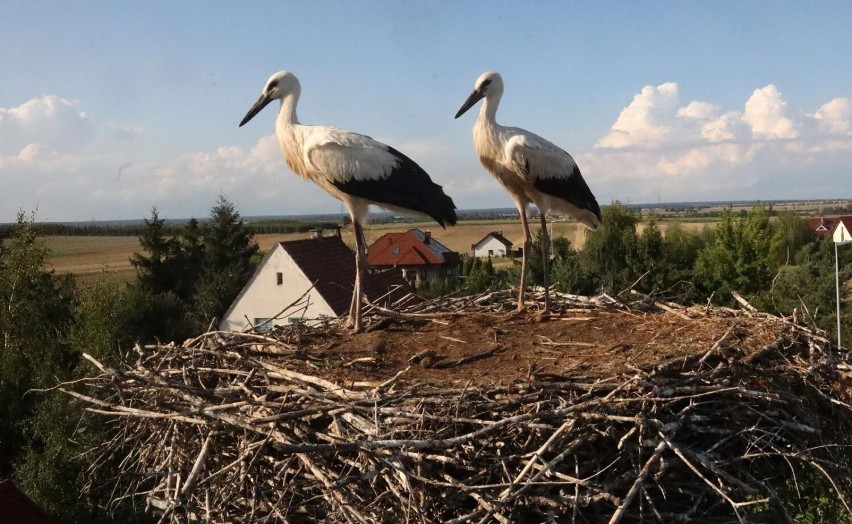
point(545, 259)
point(527, 244)
point(360, 263)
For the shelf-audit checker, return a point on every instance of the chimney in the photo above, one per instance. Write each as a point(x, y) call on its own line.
point(428, 235)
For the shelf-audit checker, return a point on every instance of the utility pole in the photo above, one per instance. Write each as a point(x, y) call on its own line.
point(837, 282)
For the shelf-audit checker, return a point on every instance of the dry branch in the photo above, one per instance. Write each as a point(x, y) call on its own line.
point(235, 427)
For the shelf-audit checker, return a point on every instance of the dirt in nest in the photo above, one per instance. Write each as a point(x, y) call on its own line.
point(508, 348)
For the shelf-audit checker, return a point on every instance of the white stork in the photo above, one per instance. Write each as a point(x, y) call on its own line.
point(532, 169)
point(354, 169)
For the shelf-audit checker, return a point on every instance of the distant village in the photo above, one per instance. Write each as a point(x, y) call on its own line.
point(315, 275)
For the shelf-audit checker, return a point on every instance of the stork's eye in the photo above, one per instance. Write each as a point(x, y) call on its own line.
point(273, 85)
point(485, 83)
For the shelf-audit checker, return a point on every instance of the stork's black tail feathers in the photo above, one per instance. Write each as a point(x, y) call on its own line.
point(408, 187)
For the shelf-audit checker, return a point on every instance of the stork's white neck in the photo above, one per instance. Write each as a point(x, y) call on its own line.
point(287, 114)
point(488, 111)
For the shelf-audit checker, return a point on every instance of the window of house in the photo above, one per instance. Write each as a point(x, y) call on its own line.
point(279, 278)
point(395, 250)
point(449, 271)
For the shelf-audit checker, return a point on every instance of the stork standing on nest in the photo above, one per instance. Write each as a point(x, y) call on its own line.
point(532, 169)
point(354, 169)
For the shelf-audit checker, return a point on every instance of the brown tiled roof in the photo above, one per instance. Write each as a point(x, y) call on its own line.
point(411, 248)
point(331, 264)
point(824, 226)
point(15, 506)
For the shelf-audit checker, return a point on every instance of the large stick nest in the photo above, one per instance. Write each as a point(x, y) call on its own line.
point(647, 413)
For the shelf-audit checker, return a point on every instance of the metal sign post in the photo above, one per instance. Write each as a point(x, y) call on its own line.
point(837, 282)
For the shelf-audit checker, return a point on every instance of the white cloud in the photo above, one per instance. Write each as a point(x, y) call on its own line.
point(54, 123)
point(661, 148)
point(698, 110)
point(55, 158)
point(836, 115)
point(726, 127)
point(764, 112)
point(647, 120)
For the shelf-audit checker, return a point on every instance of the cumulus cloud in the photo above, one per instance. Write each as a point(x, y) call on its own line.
point(836, 115)
point(55, 158)
point(54, 124)
point(661, 147)
point(765, 113)
point(646, 120)
point(698, 110)
point(729, 126)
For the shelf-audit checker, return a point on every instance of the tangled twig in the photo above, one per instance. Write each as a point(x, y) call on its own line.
point(225, 429)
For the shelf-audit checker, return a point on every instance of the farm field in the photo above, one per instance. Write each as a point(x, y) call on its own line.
point(88, 256)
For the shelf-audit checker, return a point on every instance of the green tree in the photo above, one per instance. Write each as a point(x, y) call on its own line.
point(159, 269)
point(229, 261)
point(53, 467)
point(680, 251)
point(808, 288)
point(610, 253)
point(790, 234)
point(564, 265)
point(482, 276)
point(35, 317)
point(189, 277)
point(739, 258)
point(228, 243)
point(189, 254)
point(649, 262)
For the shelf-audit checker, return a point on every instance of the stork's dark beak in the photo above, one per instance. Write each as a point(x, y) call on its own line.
point(474, 97)
point(262, 102)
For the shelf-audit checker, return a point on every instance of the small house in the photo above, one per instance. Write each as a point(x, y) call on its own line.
point(836, 228)
point(308, 282)
point(419, 256)
point(494, 244)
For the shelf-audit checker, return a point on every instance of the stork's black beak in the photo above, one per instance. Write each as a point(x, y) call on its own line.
point(474, 97)
point(262, 102)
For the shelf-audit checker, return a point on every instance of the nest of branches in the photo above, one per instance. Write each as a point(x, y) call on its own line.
point(229, 427)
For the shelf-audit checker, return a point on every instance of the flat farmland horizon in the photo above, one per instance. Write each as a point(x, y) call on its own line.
point(87, 257)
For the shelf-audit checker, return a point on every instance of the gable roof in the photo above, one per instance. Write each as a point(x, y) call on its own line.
point(824, 226)
point(496, 235)
point(411, 248)
point(331, 264)
point(15, 506)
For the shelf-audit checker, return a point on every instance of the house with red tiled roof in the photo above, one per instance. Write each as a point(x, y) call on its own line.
point(15, 506)
point(837, 228)
point(307, 281)
point(494, 244)
point(420, 256)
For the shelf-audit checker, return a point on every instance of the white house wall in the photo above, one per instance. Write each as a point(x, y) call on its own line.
point(498, 248)
point(264, 298)
point(841, 234)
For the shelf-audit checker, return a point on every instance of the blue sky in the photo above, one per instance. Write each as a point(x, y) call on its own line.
point(108, 109)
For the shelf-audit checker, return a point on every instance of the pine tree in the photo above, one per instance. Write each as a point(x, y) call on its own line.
point(229, 261)
point(158, 271)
